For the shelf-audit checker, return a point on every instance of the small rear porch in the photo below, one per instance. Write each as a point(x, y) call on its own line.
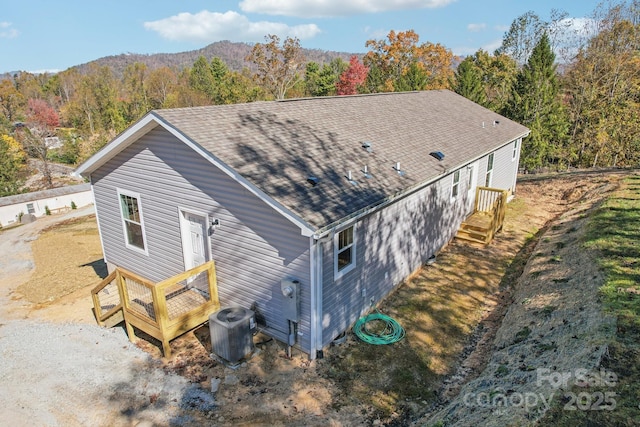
point(487, 217)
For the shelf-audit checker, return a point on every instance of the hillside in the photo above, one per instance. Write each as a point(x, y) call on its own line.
point(232, 53)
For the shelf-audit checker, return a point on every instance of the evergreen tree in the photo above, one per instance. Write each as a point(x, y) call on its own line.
point(414, 78)
point(468, 82)
point(201, 79)
point(535, 103)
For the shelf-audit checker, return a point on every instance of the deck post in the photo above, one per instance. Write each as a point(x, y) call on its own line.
point(124, 298)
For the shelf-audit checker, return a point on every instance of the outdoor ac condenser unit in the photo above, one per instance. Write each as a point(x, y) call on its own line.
point(231, 331)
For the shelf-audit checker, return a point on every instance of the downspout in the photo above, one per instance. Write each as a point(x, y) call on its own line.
point(315, 248)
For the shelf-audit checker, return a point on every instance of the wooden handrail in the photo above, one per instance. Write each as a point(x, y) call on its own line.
point(160, 327)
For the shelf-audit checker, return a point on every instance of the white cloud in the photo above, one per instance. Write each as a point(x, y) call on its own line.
point(476, 27)
point(375, 34)
point(568, 35)
point(489, 47)
point(208, 26)
point(6, 32)
point(502, 28)
point(332, 8)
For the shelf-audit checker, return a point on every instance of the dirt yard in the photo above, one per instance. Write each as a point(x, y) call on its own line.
point(452, 312)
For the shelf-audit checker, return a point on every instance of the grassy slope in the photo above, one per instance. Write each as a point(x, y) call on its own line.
point(614, 232)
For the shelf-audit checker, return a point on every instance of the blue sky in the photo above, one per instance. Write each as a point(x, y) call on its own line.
point(41, 35)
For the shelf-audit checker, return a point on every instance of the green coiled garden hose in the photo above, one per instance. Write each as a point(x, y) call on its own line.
point(387, 330)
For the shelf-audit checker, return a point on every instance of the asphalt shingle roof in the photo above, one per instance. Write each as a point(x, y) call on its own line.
point(278, 145)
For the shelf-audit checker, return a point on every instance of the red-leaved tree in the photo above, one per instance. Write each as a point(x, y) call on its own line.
point(42, 119)
point(352, 78)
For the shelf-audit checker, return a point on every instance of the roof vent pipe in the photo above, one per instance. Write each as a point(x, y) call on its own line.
point(397, 168)
point(350, 178)
point(366, 172)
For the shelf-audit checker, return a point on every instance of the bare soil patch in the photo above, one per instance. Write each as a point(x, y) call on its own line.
point(67, 256)
point(451, 311)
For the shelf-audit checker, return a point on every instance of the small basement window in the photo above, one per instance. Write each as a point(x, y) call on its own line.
point(30, 208)
point(345, 252)
point(132, 222)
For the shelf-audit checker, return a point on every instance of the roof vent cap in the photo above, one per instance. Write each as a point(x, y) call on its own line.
point(313, 180)
point(367, 146)
point(438, 155)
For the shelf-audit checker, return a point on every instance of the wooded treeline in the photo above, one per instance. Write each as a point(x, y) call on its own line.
point(576, 88)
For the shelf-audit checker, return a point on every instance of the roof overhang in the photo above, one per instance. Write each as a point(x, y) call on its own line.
point(151, 121)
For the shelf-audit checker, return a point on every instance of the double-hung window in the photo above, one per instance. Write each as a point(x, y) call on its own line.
point(345, 252)
point(132, 223)
point(489, 176)
point(455, 186)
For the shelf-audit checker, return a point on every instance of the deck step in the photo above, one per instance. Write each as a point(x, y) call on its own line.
point(473, 236)
point(474, 227)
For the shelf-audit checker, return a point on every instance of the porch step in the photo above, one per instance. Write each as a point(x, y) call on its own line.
point(478, 236)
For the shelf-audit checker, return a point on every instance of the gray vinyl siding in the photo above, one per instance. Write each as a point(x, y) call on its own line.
point(393, 242)
point(254, 248)
point(504, 168)
point(390, 245)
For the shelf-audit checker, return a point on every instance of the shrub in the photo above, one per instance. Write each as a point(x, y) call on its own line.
point(73, 205)
point(47, 211)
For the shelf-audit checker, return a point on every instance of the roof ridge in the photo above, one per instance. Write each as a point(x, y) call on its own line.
point(358, 95)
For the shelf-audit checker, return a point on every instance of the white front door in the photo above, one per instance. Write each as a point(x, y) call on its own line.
point(194, 239)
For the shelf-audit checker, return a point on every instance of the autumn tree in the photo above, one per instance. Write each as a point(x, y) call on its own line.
point(277, 66)
point(603, 88)
point(161, 86)
point(391, 60)
point(41, 121)
point(498, 73)
point(10, 167)
point(536, 104)
point(468, 82)
point(352, 78)
point(135, 91)
point(11, 100)
point(523, 34)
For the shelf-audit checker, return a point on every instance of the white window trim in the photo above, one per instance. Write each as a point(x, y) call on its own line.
point(489, 173)
point(337, 274)
point(471, 170)
point(144, 251)
point(455, 184)
point(516, 144)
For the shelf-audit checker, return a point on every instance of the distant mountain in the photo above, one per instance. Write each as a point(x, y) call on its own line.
point(232, 53)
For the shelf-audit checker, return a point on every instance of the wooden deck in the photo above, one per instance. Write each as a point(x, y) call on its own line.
point(163, 310)
point(487, 218)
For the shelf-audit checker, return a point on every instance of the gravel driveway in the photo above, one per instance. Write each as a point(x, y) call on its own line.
point(76, 374)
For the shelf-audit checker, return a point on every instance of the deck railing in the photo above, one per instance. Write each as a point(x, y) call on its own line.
point(163, 310)
point(492, 201)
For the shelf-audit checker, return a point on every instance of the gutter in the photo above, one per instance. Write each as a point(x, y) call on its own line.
point(355, 216)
